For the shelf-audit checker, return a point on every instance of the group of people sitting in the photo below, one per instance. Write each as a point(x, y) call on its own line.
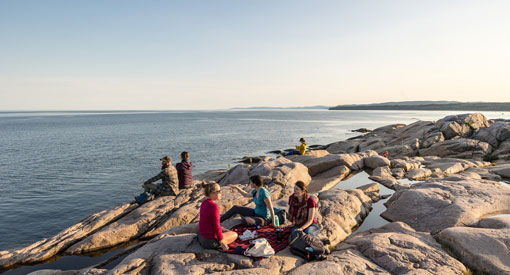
point(180, 177)
point(212, 235)
point(172, 178)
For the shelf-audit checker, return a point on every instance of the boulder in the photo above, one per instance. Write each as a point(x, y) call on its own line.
point(459, 148)
point(342, 147)
point(50, 247)
point(501, 170)
point(317, 165)
point(384, 176)
point(397, 173)
point(372, 143)
point(373, 162)
point(452, 165)
point(495, 222)
point(419, 174)
point(328, 179)
point(399, 249)
point(497, 133)
point(435, 205)
point(503, 150)
point(420, 134)
point(398, 151)
point(461, 125)
point(407, 165)
point(214, 175)
point(340, 211)
point(482, 249)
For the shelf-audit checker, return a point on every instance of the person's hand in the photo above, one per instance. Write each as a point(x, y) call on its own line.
point(223, 246)
point(299, 229)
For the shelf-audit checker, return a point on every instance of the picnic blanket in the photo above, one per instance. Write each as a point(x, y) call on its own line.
point(268, 232)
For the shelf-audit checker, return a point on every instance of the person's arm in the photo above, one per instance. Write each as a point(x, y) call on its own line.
point(308, 222)
point(269, 204)
point(217, 229)
point(155, 178)
point(244, 193)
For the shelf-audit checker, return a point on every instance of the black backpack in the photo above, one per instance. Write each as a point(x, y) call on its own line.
point(307, 246)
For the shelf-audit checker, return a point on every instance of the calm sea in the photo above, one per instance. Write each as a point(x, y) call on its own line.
point(58, 167)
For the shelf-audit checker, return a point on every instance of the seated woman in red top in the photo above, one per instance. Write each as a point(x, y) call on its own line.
point(210, 233)
point(302, 211)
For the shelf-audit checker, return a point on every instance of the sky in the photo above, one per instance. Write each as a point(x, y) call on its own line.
point(172, 55)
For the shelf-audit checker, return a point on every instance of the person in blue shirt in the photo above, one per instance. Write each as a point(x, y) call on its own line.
point(263, 214)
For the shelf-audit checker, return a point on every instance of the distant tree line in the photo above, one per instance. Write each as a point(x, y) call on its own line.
point(482, 106)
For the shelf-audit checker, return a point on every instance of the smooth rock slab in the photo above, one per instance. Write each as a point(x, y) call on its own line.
point(482, 249)
point(328, 179)
point(348, 262)
point(399, 249)
point(435, 205)
point(48, 248)
point(458, 148)
point(130, 226)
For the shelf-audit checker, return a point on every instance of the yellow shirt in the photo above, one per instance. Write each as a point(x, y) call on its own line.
point(301, 148)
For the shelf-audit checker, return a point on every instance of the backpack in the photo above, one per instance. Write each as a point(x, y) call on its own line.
point(281, 214)
point(307, 246)
point(142, 198)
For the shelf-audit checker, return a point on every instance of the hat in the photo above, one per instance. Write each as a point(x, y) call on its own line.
point(166, 158)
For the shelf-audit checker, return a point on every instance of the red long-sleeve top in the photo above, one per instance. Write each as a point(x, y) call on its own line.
point(209, 224)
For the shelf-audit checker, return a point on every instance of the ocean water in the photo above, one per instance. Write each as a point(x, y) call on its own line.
point(58, 167)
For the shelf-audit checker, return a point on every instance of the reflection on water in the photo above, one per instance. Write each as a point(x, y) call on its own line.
point(374, 218)
point(107, 259)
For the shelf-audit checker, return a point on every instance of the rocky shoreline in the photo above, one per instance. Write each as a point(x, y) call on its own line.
point(442, 224)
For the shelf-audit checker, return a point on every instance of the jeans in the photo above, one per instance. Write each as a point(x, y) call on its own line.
point(313, 230)
point(248, 214)
point(293, 152)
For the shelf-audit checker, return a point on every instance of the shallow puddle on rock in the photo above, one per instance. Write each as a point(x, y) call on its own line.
point(408, 181)
point(360, 179)
point(374, 218)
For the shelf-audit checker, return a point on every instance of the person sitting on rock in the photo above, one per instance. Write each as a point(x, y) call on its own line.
point(210, 233)
point(263, 213)
point(169, 180)
point(184, 169)
point(300, 150)
point(302, 211)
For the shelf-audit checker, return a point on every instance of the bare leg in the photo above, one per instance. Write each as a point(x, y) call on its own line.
point(229, 237)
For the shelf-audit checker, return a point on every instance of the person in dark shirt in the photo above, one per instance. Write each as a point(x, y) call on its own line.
point(184, 171)
point(302, 210)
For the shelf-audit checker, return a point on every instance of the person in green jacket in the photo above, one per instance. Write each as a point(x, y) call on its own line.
point(300, 150)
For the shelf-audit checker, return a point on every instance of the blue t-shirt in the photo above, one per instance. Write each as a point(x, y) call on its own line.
point(261, 208)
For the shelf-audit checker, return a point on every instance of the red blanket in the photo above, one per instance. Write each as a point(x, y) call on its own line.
point(268, 232)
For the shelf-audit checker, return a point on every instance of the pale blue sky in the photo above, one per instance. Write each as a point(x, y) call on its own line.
point(75, 55)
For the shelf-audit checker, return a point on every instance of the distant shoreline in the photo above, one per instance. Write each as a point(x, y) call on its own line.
point(431, 107)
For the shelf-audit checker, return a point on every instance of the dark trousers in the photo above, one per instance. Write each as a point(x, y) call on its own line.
point(248, 214)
